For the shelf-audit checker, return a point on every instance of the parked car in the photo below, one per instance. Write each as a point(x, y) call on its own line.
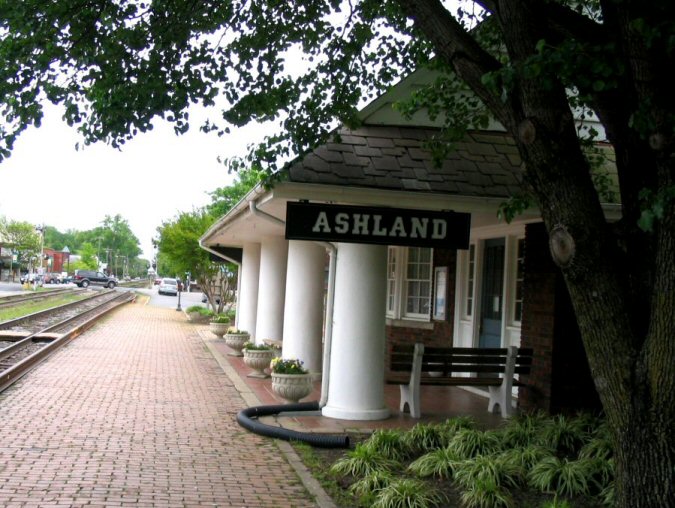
point(158, 281)
point(52, 278)
point(32, 278)
point(168, 287)
point(83, 278)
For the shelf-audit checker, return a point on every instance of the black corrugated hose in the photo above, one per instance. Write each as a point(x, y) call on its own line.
point(247, 418)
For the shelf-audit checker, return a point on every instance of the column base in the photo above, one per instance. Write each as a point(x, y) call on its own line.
point(347, 414)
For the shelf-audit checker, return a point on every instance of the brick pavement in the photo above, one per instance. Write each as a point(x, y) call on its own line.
point(136, 412)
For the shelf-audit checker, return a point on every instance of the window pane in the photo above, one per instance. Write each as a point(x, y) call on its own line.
point(418, 282)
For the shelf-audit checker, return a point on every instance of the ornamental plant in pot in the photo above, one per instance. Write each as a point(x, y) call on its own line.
point(219, 325)
point(198, 314)
point(290, 379)
point(235, 339)
point(257, 356)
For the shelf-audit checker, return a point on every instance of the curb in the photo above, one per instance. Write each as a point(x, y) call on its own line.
point(323, 500)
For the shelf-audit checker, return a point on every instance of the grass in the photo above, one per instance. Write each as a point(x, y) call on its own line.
point(530, 462)
point(29, 308)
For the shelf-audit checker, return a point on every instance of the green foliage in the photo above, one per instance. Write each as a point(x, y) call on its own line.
point(408, 493)
point(362, 461)
point(367, 488)
point(439, 463)
point(562, 476)
point(390, 443)
point(654, 205)
point(252, 346)
point(486, 494)
point(200, 310)
point(489, 469)
point(88, 260)
point(425, 437)
point(224, 198)
point(22, 238)
point(468, 443)
point(220, 318)
point(564, 434)
point(287, 366)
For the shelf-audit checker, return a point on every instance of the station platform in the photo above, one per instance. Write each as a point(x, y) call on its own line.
point(140, 410)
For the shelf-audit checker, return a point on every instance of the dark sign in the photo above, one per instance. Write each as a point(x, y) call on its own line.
point(386, 226)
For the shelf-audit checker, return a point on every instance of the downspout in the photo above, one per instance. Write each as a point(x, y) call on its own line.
point(328, 340)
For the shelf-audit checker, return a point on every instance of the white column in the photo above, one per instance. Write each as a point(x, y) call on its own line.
point(247, 300)
point(356, 384)
point(303, 312)
point(271, 289)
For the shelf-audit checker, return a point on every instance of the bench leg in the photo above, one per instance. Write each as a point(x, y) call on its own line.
point(501, 395)
point(410, 395)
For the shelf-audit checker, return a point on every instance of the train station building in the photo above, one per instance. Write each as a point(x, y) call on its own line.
point(367, 242)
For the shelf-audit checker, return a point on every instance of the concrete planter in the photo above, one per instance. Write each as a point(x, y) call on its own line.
point(292, 387)
point(258, 360)
point(219, 329)
point(198, 317)
point(236, 342)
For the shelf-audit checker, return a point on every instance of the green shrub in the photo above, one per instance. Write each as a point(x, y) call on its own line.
point(486, 494)
point(452, 425)
point(367, 488)
point(488, 470)
point(440, 463)
point(204, 311)
point(425, 437)
point(252, 346)
point(526, 457)
point(564, 434)
point(468, 443)
point(390, 443)
point(562, 476)
point(408, 493)
point(220, 318)
point(362, 461)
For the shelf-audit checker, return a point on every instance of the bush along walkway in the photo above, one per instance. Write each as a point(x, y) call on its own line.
point(532, 461)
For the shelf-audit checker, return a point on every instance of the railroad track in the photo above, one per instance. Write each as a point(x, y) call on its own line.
point(12, 300)
point(47, 331)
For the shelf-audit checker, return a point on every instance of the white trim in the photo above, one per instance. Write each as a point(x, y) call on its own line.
point(466, 329)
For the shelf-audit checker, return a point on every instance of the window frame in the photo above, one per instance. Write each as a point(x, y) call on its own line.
point(397, 279)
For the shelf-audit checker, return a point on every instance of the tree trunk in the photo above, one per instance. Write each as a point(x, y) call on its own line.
point(632, 357)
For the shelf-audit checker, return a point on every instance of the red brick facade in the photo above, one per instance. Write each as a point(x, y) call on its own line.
point(560, 380)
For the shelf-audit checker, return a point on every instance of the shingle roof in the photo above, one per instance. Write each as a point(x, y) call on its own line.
point(484, 164)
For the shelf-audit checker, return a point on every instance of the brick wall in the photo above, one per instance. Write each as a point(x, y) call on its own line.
point(441, 332)
point(560, 380)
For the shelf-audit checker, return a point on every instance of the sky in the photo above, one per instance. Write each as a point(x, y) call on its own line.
point(154, 177)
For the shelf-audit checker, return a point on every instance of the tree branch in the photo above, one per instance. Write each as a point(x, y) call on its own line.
point(455, 45)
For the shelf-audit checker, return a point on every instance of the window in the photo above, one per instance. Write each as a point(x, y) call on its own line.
point(409, 282)
point(471, 273)
point(520, 273)
point(391, 282)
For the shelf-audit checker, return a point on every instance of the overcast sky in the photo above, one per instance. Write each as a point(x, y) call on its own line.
point(156, 176)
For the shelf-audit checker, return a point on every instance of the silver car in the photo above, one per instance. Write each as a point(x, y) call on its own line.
point(168, 287)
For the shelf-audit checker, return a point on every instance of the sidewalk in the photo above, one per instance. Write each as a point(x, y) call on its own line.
point(136, 412)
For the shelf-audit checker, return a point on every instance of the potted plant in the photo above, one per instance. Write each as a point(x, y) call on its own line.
point(198, 314)
point(219, 325)
point(236, 339)
point(257, 356)
point(290, 380)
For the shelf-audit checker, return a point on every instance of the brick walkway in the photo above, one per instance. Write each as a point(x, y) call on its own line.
point(136, 412)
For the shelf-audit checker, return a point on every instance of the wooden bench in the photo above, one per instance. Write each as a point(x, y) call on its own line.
point(414, 365)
